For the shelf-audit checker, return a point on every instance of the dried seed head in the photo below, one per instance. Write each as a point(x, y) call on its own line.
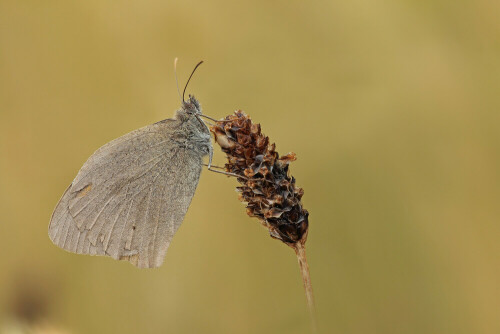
point(268, 189)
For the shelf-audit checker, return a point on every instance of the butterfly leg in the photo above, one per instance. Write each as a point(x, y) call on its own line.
point(219, 167)
point(210, 168)
point(231, 174)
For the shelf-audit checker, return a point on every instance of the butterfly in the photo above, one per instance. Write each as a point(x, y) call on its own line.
point(130, 197)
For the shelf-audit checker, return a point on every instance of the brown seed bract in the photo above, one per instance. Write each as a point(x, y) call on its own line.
point(268, 189)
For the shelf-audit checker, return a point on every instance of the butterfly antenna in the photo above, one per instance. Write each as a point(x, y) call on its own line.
point(201, 62)
point(176, 80)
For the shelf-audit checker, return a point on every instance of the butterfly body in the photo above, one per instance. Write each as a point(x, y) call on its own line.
point(130, 197)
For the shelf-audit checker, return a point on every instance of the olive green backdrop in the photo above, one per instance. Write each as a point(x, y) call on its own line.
point(391, 106)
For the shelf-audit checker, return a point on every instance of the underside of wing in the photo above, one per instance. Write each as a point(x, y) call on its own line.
point(129, 198)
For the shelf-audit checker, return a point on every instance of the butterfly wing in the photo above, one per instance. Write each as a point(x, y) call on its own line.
point(129, 198)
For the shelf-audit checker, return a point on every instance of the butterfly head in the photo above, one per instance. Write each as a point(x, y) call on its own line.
point(190, 109)
point(192, 106)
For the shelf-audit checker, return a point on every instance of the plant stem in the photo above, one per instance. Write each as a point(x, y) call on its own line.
point(300, 251)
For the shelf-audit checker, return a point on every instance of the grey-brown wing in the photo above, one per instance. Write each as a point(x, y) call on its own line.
point(129, 198)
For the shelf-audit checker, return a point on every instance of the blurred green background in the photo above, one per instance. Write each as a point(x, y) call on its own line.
point(391, 106)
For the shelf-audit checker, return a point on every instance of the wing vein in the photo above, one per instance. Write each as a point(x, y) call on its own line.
point(110, 234)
